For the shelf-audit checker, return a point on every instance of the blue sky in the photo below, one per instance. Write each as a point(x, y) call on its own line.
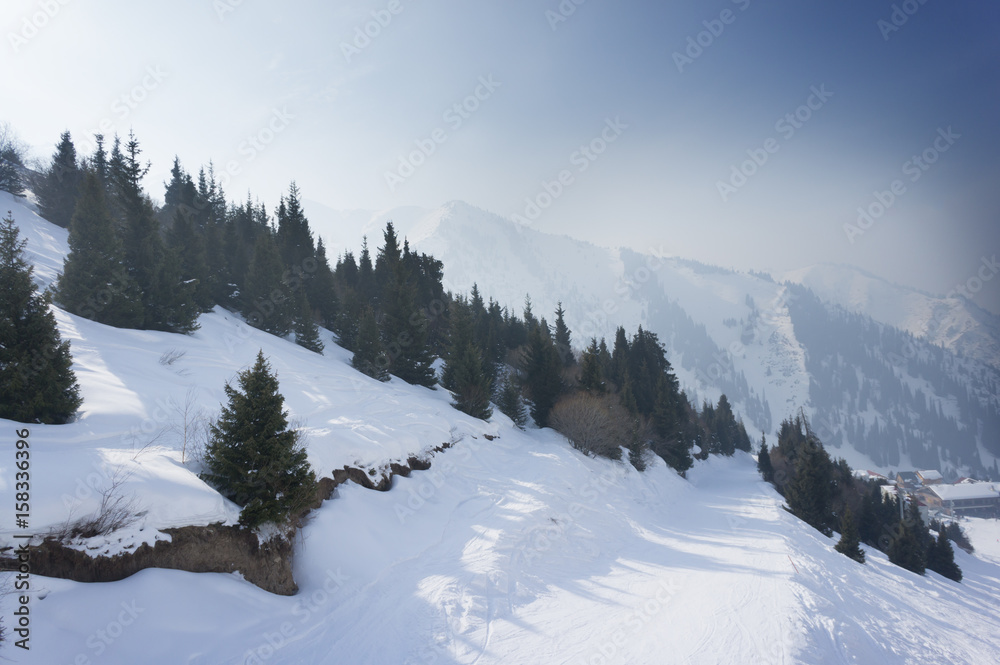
point(201, 79)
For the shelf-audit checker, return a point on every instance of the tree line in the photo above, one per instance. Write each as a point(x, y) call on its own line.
point(826, 495)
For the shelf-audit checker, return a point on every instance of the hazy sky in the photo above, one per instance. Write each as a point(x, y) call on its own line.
point(668, 98)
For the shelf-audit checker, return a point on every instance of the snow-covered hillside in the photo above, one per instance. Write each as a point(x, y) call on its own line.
point(953, 323)
point(511, 549)
point(732, 333)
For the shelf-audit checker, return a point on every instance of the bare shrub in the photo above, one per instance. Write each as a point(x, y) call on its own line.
point(170, 356)
point(594, 424)
point(115, 512)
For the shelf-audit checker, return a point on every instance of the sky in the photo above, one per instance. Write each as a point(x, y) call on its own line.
point(751, 135)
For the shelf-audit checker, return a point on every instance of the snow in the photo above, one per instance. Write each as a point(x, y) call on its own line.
point(965, 491)
point(511, 549)
point(949, 321)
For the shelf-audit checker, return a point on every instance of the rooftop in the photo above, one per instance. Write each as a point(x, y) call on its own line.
point(965, 491)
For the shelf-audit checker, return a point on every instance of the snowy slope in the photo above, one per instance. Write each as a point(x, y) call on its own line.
point(954, 323)
point(725, 332)
point(512, 550)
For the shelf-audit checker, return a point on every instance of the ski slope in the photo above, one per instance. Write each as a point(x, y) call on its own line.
point(511, 549)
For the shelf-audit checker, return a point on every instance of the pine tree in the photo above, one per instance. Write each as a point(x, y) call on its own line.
point(37, 383)
point(941, 558)
point(905, 548)
point(542, 374)
point(810, 492)
point(294, 236)
point(11, 161)
point(369, 356)
point(306, 330)
point(170, 303)
point(252, 457)
point(320, 287)
point(591, 375)
point(764, 461)
point(57, 189)
point(849, 544)
point(189, 244)
point(464, 372)
point(562, 338)
point(404, 328)
point(509, 401)
point(94, 283)
point(265, 301)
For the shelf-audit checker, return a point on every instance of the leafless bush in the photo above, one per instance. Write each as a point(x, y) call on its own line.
point(170, 356)
point(115, 512)
point(596, 425)
point(191, 424)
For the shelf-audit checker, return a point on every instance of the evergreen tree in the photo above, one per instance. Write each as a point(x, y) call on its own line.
point(94, 283)
point(562, 339)
point(294, 236)
point(849, 545)
point(764, 461)
point(591, 374)
point(810, 492)
point(941, 558)
point(306, 330)
point(252, 457)
point(11, 161)
point(509, 401)
point(387, 263)
point(905, 548)
point(619, 358)
point(171, 304)
point(542, 374)
point(404, 328)
point(369, 356)
point(473, 388)
point(265, 302)
point(58, 187)
point(37, 383)
point(189, 246)
point(320, 287)
point(464, 372)
point(671, 426)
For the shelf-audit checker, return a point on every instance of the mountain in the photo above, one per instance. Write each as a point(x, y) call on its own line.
point(954, 323)
point(884, 397)
point(513, 547)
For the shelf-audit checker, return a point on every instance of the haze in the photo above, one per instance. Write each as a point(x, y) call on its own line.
point(745, 134)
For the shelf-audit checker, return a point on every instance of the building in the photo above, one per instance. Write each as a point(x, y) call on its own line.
point(929, 477)
point(870, 475)
point(972, 499)
point(907, 480)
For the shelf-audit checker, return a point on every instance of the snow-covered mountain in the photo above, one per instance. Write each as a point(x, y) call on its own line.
point(512, 548)
point(954, 323)
point(886, 398)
